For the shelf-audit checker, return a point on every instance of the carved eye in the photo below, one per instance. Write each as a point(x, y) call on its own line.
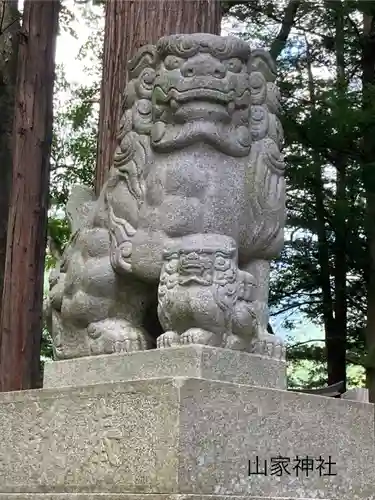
point(148, 76)
point(234, 65)
point(144, 107)
point(172, 62)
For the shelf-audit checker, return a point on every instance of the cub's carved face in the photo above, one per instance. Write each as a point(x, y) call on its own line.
point(201, 92)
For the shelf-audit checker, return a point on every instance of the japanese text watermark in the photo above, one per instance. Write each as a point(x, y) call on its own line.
point(298, 466)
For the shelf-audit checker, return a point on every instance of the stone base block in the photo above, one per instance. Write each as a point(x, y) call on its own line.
point(184, 437)
point(357, 394)
point(196, 361)
point(110, 496)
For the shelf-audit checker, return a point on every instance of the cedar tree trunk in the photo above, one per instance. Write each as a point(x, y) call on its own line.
point(9, 28)
point(368, 85)
point(21, 318)
point(337, 338)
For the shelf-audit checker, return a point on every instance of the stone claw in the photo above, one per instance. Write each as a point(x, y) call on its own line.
point(236, 343)
point(270, 346)
point(200, 336)
point(168, 339)
point(115, 336)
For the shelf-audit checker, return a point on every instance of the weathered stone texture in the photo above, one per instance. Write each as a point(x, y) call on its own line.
point(125, 496)
point(192, 214)
point(247, 422)
point(182, 436)
point(105, 438)
point(196, 361)
point(357, 394)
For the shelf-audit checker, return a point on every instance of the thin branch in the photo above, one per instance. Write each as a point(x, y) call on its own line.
point(270, 329)
point(277, 19)
point(294, 306)
point(304, 342)
point(2, 31)
point(355, 28)
point(2, 18)
point(287, 23)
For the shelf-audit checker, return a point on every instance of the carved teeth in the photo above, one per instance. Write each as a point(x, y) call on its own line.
point(173, 104)
point(158, 111)
point(231, 106)
point(244, 100)
point(157, 131)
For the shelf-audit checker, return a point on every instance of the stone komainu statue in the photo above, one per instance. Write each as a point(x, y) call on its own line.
point(177, 248)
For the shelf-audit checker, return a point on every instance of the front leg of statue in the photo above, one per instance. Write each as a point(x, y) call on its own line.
point(252, 314)
point(114, 335)
point(264, 343)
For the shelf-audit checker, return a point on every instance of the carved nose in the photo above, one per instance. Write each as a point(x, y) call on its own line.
point(203, 67)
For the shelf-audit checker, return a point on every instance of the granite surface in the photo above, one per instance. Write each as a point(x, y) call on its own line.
point(125, 496)
point(192, 214)
point(196, 361)
point(182, 436)
point(357, 394)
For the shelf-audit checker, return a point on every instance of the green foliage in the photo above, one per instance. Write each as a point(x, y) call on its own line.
point(59, 233)
point(66, 18)
point(75, 126)
point(74, 143)
point(324, 116)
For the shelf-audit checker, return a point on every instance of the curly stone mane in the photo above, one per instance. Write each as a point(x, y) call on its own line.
point(223, 48)
point(265, 179)
point(132, 152)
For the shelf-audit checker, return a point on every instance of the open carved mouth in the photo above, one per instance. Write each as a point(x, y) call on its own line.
point(177, 98)
point(191, 268)
point(191, 265)
point(201, 94)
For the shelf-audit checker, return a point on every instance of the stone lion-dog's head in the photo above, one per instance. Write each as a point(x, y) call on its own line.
point(197, 88)
point(202, 93)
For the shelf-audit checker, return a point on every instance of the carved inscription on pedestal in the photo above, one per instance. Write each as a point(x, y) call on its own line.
point(81, 441)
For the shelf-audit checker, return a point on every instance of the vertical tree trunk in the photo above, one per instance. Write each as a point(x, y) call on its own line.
point(21, 318)
point(9, 27)
point(323, 248)
point(338, 344)
point(368, 84)
point(337, 339)
point(128, 26)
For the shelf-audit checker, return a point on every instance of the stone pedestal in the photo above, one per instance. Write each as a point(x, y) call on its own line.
point(195, 361)
point(193, 425)
point(357, 394)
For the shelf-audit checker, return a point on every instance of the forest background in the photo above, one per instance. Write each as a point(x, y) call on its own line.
point(321, 287)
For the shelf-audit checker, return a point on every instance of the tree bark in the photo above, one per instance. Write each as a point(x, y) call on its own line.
point(129, 26)
point(336, 354)
point(290, 13)
point(323, 248)
point(21, 318)
point(368, 169)
point(337, 337)
point(9, 27)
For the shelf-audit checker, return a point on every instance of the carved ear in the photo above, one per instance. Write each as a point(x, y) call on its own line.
point(146, 57)
point(80, 201)
point(261, 60)
point(265, 98)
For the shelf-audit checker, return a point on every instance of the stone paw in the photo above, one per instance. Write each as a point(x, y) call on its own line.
point(236, 343)
point(114, 336)
point(270, 346)
point(168, 339)
point(199, 336)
